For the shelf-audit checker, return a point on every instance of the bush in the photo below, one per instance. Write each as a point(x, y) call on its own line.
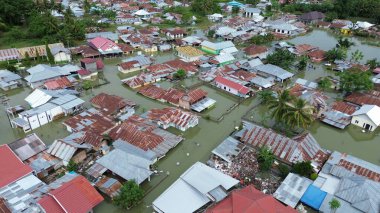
point(284, 170)
point(314, 176)
point(303, 168)
point(86, 85)
point(130, 195)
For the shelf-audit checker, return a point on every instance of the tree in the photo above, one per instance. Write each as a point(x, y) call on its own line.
point(303, 168)
point(355, 80)
point(336, 54)
point(11, 68)
point(299, 114)
point(302, 63)
point(265, 96)
point(211, 33)
point(180, 74)
point(284, 170)
point(49, 55)
point(204, 7)
point(356, 56)
point(38, 57)
point(373, 63)
point(325, 83)
point(262, 39)
point(265, 158)
point(72, 166)
point(235, 10)
point(27, 61)
point(344, 43)
point(334, 204)
point(87, 84)
point(313, 176)
point(15, 12)
point(130, 195)
point(279, 106)
point(281, 58)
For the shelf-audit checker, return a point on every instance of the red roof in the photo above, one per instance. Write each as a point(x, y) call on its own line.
point(84, 72)
point(231, 84)
point(59, 83)
point(75, 196)
point(110, 104)
point(255, 49)
point(11, 167)
point(249, 200)
point(102, 43)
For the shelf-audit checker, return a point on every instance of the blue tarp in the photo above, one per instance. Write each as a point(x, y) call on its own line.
point(235, 4)
point(313, 197)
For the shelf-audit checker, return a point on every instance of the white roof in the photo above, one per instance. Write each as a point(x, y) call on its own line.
point(37, 98)
point(192, 190)
point(230, 50)
point(142, 13)
point(222, 31)
point(219, 45)
point(372, 111)
point(364, 24)
point(224, 58)
point(217, 15)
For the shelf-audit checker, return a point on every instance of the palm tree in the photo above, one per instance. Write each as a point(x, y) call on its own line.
point(334, 204)
point(265, 96)
point(265, 158)
point(299, 114)
point(280, 105)
point(356, 56)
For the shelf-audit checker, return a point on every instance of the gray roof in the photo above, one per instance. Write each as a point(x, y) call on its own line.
point(274, 71)
point(292, 189)
point(40, 109)
point(228, 149)
point(130, 166)
point(109, 35)
point(252, 10)
point(134, 150)
point(306, 83)
point(196, 187)
point(65, 149)
point(143, 60)
point(218, 46)
point(336, 118)
point(27, 147)
point(8, 76)
point(57, 49)
point(262, 82)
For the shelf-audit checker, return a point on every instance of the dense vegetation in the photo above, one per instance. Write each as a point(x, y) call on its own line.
point(282, 58)
point(130, 195)
point(355, 79)
point(340, 8)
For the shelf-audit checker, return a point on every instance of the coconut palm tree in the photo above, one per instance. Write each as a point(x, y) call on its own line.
point(299, 114)
point(279, 106)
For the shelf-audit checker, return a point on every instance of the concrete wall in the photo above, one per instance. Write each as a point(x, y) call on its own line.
point(362, 121)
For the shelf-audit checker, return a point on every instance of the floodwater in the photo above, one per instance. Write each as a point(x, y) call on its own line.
point(208, 134)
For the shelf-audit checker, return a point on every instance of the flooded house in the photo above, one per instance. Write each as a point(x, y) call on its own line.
point(111, 104)
point(135, 64)
point(172, 117)
point(41, 73)
point(9, 80)
point(195, 189)
point(105, 46)
point(339, 114)
point(216, 48)
point(367, 117)
point(92, 64)
point(256, 51)
point(145, 135)
point(232, 87)
point(291, 150)
point(274, 71)
point(59, 83)
point(189, 53)
point(109, 186)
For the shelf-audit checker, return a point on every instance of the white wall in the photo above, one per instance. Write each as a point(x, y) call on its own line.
point(362, 120)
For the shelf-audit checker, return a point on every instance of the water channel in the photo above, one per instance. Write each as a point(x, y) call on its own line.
point(208, 134)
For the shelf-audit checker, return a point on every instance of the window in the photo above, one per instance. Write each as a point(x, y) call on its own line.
point(356, 121)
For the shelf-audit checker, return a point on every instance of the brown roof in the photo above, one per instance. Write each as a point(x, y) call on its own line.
point(244, 75)
point(255, 49)
point(3, 206)
point(344, 107)
point(359, 170)
point(129, 65)
point(125, 47)
point(110, 104)
point(319, 54)
point(196, 95)
point(173, 95)
point(59, 83)
point(171, 115)
point(152, 91)
point(159, 67)
point(303, 48)
point(371, 98)
point(179, 64)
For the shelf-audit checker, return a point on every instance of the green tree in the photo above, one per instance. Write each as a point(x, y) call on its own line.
point(299, 114)
point(87, 84)
point(180, 74)
point(262, 39)
point(356, 56)
point(49, 55)
point(373, 63)
point(344, 43)
point(211, 33)
point(265, 96)
point(205, 7)
point(15, 12)
point(334, 204)
point(38, 57)
point(130, 195)
point(279, 106)
point(284, 170)
point(281, 58)
point(265, 158)
point(302, 63)
point(313, 176)
point(235, 10)
point(72, 166)
point(325, 83)
point(303, 168)
point(27, 62)
point(355, 80)
point(336, 54)
point(11, 68)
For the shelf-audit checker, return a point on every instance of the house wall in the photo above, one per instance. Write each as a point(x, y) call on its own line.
point(362, 121)
point(61, 56)
point(154, 48)
point(89, 77)
point(42, 118)
point(226, 88)
point(209, 50)
point(135, 69)
point(188, 58)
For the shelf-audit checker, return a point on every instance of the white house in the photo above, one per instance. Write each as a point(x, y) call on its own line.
point(61, 54)
point(368, 117)
point(143, 14)
point(9, 80)
point(232, 87)
point(216, 17)
point(189, 53)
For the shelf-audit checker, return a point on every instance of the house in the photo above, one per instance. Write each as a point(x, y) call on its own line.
point(111, 104)
point(105, 46)
point(76, 195)
point(224, 59)
point(145, 135)
point(339, 114)
point(312, 17)
point(109, 186)
point(41, 96)
point(292, 189)
point(41, 73)
point(304, 49)
point(192, 41)
point(317, 56)
point(143, 14)
point(61, 54)
point(249, 199)
point(9, 80)
point(59, 83)
point(216, 48)
point(350, 180)
point(9, 54)
point(250, 12)
point(174, 33)
point(292, 150)
point(228, 149)
point(107, 35)
point(127, 164)
point(172, 117)
point(368, 117)
point(194, 189)
point(134, 64)
point(256, 51)
point(216, 17)
point(196, 100)
point(283, 28)
point(92, 64)
point(87, 74)
point(368, 98)
point(232, 87)
point(276, 72)
point(189, 53)
point(127, 49)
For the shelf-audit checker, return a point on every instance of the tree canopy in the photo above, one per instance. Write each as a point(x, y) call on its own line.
point(265, 158)
point(355, 80)
point(205, 7)
point(262, 39)
point(130, 195)
point(281, 58)
point(303, 168)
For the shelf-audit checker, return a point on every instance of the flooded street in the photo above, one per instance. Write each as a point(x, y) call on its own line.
point(208, 134)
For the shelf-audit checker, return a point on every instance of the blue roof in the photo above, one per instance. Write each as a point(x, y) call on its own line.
point(313, 197)
point(235, 4)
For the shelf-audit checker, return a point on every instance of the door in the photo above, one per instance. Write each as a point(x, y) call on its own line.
point(367, 126)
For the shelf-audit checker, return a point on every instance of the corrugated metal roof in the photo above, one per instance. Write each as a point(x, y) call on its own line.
point(228, 149)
